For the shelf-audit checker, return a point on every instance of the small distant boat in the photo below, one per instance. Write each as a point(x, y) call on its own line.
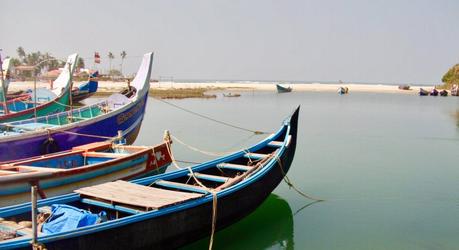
point(89, 164)
point(423, 92)
point(87, 89)
point(443, 93)
point(282, 89)
point(434, 92)
point(343, 90)
point(231, 95)
point(93, 123)
point(165, 211)
point(404, 87)
point(47, 101)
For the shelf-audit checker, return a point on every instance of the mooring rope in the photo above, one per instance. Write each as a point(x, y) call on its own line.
point(200, 150)
point(290, 183)
point(81, 134)
point(210, 118)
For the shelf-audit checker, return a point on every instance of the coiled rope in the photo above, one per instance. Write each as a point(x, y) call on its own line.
point(257, 132)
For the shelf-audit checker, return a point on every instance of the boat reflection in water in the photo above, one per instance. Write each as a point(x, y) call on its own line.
point(271, 225)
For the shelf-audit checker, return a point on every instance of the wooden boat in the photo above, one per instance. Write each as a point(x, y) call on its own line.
point(87, 89)
point(404, 87)
point(434, 92)
point(282, 89)
point(85, 165)
point(231, 95)
point(166, 210)
point(54, 101)
point(93, 123)
point(443, 93)
point(343, 90)
point(423, 92)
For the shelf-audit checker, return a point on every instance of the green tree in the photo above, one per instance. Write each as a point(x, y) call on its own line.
point(110, 58)
point(451, 77)
point(21, 53)
point(123, 55)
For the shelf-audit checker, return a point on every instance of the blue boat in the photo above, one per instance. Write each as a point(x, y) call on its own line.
point(90, 164)
point(93, 123)
point(163, 211)
point(87, 89)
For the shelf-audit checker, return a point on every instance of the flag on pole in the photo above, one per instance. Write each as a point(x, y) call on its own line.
point(96, 57)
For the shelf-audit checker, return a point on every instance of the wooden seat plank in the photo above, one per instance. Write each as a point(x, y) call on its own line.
point(209, 177)
point(233, 166)
point(136, 195)
point(275, 144)
point(255, 156)
point(183, 186)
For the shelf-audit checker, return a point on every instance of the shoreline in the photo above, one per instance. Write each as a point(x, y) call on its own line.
point(106, 87)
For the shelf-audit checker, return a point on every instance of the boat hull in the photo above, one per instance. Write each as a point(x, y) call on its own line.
point(127, 120)
point(60, 104)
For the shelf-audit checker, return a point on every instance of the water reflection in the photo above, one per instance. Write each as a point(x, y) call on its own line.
point(270, 226)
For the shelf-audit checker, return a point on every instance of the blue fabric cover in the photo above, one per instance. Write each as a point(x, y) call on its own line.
point(65, 218)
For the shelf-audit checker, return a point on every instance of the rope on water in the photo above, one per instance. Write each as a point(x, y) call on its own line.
point(290, 183)
point(211, 119)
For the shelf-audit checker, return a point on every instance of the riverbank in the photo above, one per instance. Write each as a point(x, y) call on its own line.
point(201, 89)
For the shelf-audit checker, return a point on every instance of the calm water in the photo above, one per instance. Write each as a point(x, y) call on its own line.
point(386, 164)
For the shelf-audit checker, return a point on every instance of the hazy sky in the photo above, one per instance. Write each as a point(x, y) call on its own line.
point(354, 40)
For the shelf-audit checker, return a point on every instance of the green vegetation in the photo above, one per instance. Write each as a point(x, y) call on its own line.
point(170, 93)
point(181, 93)
point(451, 77)
point(33, 58)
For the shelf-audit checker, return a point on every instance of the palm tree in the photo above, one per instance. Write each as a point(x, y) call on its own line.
point(123, 55)
point(110, 58)
point(21, 53)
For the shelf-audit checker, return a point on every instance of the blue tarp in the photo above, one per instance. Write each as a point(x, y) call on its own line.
point(65, 218)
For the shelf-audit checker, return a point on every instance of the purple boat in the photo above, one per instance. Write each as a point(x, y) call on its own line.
point(97, 122)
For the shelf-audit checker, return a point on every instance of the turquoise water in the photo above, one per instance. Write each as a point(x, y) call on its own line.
point(386, 164)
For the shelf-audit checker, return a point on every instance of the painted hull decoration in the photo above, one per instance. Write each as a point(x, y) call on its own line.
point(93, 123)
point(86, 90)
point(55, 102)
point(89, 164)
point(167, 210)
point(282, 89)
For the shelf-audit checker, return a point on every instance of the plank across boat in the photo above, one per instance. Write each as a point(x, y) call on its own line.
point(140, 214)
